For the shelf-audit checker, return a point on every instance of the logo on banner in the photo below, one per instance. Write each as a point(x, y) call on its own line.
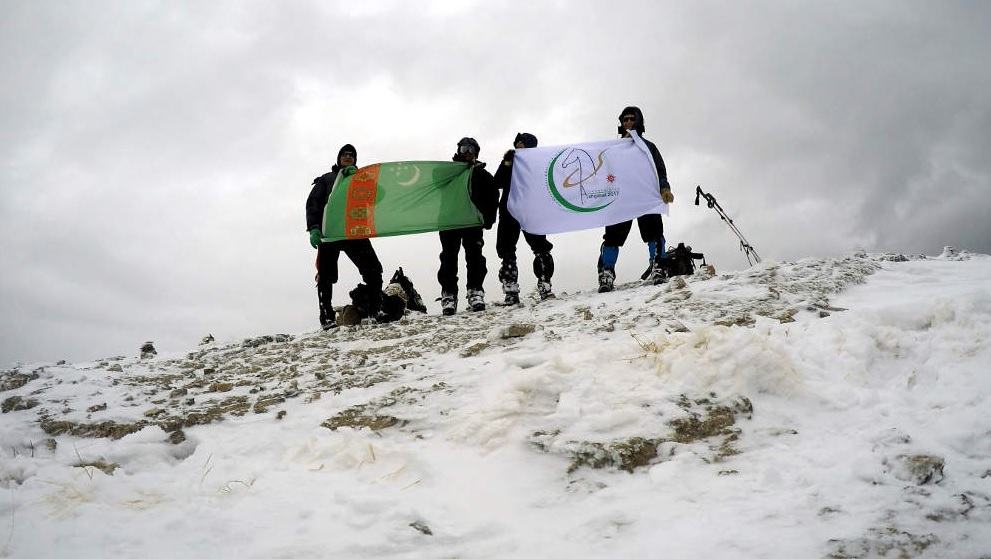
point(581, 181)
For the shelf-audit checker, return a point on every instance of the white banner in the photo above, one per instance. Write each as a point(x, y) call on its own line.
point(582, 186)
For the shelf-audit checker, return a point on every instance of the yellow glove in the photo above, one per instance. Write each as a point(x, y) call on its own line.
point(666, 195)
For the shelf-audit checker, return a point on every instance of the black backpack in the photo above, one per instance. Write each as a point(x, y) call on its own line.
point(680, 260)
point(398, 296)
point(413, 300)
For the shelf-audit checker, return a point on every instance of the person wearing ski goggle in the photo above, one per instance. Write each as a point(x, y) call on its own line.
point(486, 198)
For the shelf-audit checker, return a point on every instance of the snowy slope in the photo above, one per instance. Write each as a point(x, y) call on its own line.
point(819, 408)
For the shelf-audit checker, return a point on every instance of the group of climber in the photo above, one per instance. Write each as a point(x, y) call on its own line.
point(485, 194)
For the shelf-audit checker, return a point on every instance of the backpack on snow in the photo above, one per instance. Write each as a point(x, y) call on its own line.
point(398, 296)
point(413, 300)
point(680, 260)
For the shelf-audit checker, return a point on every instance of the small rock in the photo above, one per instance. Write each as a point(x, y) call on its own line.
point(919, 469)
point(17, 403)
point(517, 330)
point(421, 527)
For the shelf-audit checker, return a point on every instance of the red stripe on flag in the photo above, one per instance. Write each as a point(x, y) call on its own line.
point(359, 213)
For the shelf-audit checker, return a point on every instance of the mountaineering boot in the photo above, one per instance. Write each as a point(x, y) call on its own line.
point(606, 279)
point(508, 275)
point(607, 267)
point(476, 299)
point(448, 303)
point(660, 265)
point(658, 272)
point(544, 290)
point(651, 257)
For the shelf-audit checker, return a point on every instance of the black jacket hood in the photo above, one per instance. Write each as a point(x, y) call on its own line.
point(346, 147)
point(638, 126)
point(528, 139)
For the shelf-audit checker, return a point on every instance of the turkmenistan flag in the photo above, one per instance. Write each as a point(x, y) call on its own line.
point(400, 198)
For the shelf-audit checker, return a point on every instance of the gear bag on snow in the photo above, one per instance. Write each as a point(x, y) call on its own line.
point(398, 296)
point(677, 261)
point(680, 260)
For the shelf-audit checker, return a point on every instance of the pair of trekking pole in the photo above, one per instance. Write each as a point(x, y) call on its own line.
point(745, 246)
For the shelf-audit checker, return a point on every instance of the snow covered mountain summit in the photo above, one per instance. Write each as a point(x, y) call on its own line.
point(820, 408)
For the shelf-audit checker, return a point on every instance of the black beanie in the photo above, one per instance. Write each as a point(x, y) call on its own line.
point(638, 125)
point(528, 139)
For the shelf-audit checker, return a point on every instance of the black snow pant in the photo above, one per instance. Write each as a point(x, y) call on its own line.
point(451, 242)
point(508, 235)
point(363, 256)
point(651, 229)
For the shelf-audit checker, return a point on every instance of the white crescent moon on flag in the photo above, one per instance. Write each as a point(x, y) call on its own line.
point(416, 177)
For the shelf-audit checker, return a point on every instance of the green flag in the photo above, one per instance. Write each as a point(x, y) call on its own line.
point(400, 198)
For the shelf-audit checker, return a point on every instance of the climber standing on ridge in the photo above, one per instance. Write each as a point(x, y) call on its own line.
point(486, 198)
point(508, 234)
point(651, 225)
point(360, 251)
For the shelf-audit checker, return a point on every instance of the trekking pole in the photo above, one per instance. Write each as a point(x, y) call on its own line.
point(746, 247)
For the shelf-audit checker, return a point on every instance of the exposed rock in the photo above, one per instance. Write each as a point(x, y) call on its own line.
point(12, 380)
point(17, 403)
point(358, 417)
point(421, 527)
point(517, 330)
point(108, 429)
point(918, 469)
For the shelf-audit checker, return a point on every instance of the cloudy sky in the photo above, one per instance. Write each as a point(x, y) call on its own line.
point(156, 156)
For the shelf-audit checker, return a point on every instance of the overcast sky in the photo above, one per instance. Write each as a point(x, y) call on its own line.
point(156, 156)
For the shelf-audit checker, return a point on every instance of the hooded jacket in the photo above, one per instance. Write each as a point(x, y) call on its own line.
point(322, 186)
point(662, 172)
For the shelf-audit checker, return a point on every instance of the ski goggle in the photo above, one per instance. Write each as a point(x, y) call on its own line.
point(465, 149)
point(348, 154)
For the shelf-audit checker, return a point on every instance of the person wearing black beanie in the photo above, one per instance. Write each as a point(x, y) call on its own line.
point(508, 234)
point(651, 225)
point(360, 251)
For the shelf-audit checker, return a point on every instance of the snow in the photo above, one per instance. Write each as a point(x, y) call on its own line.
point(794, 409)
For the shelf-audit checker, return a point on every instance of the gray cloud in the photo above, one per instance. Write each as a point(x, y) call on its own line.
point(155, 157)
